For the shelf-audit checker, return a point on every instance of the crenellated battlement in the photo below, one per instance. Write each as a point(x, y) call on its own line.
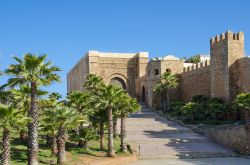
point(227, 36)
point(197, 66)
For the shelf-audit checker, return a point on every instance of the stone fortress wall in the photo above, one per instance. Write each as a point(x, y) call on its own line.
point(195, 80)
point(224, 74)
point(126, 69)
point(78, 74)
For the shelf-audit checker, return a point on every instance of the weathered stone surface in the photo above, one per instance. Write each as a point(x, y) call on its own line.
point(236, 137)
point(130, 68)
point(154, 138)
point(226, 75)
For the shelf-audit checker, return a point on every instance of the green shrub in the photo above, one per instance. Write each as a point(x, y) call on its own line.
point(243, 101)
point(201, 108)
point(216, 108)
point(191, 111)
point(176, 108)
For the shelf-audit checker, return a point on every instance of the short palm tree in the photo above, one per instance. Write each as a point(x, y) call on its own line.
point(49, 125)
point(167, 81)
point(94, 85)
point(110, 96)
point(79, 100)
point(48, 121)
point(65, 118)
point(9, 118)
point(33, 71)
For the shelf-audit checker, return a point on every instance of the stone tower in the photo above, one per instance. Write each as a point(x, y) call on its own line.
point(225, 50)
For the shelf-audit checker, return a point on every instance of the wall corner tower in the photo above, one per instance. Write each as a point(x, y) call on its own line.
point(225, 50)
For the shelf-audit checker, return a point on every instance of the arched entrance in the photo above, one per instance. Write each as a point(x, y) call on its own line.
point(118, 82)
point(143, 94)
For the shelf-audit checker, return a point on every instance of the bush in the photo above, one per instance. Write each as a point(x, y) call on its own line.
point(243, 101)
point(216, 108)
point(176, 108)
point(190, 110)
point(201, 108)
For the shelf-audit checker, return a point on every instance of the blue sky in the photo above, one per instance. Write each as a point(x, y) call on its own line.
point(66, 29)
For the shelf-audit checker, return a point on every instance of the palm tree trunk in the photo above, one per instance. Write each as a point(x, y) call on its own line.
point(80, 141)
point(115, 130)
point(164, 102)
point(101, 135)
point(123, 135)
point(33, 128)
point(53, 146)
point(111, 151)
point(168, 101)
point(61, 159)
point(6, 147)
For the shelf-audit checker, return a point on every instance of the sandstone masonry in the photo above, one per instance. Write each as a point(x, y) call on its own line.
point(224, 74)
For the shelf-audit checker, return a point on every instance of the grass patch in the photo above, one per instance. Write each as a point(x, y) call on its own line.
point(75, 154)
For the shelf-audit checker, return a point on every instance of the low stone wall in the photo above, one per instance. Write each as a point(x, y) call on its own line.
point(235, 137)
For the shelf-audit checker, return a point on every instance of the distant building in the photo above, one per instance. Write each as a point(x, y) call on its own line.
point(225, 73)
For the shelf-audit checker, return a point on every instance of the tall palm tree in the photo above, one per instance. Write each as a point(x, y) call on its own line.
point(126, 106)
point(110, 96)
point(167, 81)
point(9, 118)
point(65, 118)
point(33, 71)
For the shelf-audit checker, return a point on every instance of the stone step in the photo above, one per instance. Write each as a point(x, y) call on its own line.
point(183, 149)
point(170, 141)
point(138, 137)
point(157, 138)
point(144, 115)
point(188, 156)
point(138, 131)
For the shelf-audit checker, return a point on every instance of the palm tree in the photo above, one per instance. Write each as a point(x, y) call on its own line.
point(78, 100)
point(9, 118)
point(65, 118)
point(49, 125)
point(33, 71)
point(21, 98)
point(48, 119)
point(94, 85)
point(110, 96)
point(126, 106)
point(167, 81)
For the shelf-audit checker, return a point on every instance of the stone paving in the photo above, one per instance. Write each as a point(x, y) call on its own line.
point(156, 139)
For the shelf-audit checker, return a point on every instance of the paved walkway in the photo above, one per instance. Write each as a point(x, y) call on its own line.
point(160, 141)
